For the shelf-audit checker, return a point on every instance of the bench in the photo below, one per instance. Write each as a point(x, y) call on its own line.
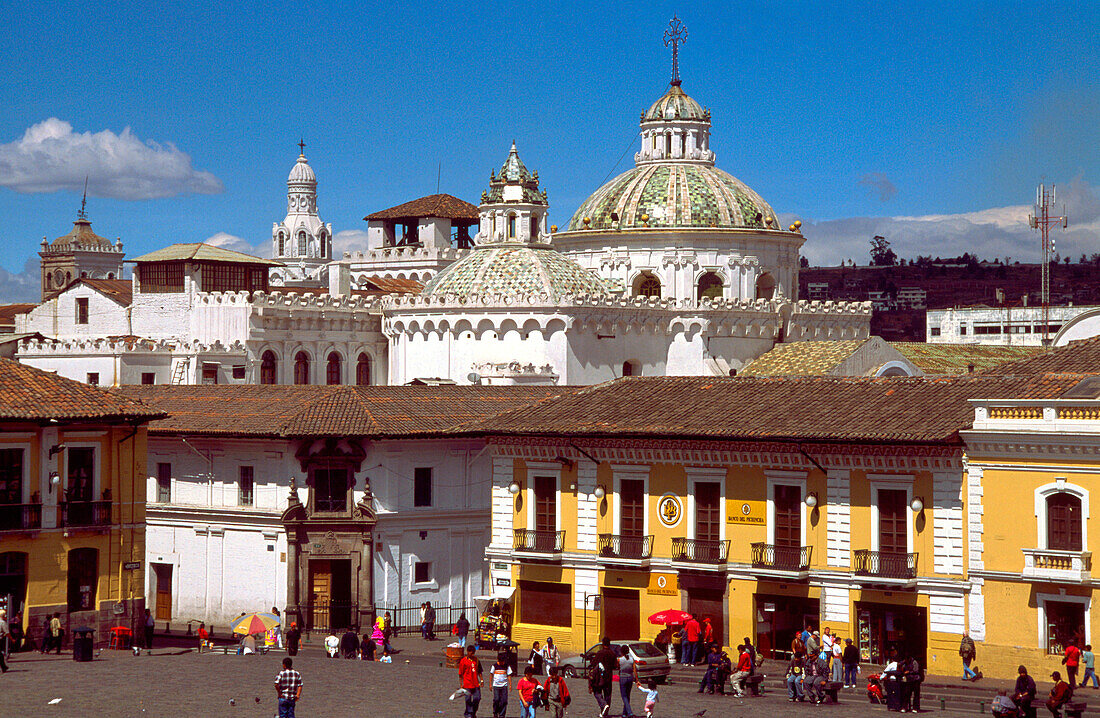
point(1074, 709)
point(753, 683)
point(832, 689)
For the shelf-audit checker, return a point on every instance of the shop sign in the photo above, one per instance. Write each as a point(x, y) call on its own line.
point(670, 510)
point(131, 565)
point(504, 582)
point(663, 584)
point(748, 512)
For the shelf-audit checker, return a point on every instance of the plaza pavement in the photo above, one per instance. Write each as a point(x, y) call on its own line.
point(176, 681)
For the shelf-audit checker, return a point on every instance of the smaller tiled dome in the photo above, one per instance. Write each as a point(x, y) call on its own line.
point(676, 105)
point(514, 269)
point(301, 172)
point(82, 237)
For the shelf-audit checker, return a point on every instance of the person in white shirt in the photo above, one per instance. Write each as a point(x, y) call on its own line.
point(550, 654)
point(838, 660)
point(332, 645)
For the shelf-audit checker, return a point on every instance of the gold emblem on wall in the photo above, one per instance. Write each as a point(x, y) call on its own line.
point(670, 510)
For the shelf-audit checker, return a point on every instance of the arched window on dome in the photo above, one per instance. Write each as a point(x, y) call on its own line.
point(511, 226)
point(302, 244)
point(110, 275)
point(765, 286)
point(268, 373)
point(324, 245)
point(362, 370)
point(710, 286)
point(49, 281)
point(282, 244)
point(334, 370)
point(301, 368)
point(534, 227)
point(646, 285)
point(668, 144)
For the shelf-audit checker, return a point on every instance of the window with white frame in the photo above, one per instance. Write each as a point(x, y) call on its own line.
point(1061, 516)
point(891, 519)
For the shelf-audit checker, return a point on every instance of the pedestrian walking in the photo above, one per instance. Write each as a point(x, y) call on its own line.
point(469, 675)
point(57, 634)
point(429, 621)
point(557, 693)
point(651, 698)
point(528, 689)
point(278, 628)
point(535, 658)
point(150, 624)
point(1071, 659)
point(550, 654)
point(890, 677)
point(967, 652)
point(850, 658)
point(500, 676)
point(332, 645)
point(5, 637)
point(293, 637)
point(1088, 660)
point(288, 686)
point(627, 675)
point(462, 629)
point(601, 675)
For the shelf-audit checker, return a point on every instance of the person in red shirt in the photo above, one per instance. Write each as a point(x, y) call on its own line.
point(557, 694)
point(469, 673)
point(528, 689)
point(743, 670)
point(1072, 659)
point(692, 631)
point(708, 631)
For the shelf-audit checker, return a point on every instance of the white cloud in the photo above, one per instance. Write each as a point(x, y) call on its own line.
point(988, 233)
point(878, 184)
point(51, 156)
point(348, 240)
point(239, 244)
point(22, 287)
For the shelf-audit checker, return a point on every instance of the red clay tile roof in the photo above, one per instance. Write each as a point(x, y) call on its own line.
point(316, 411)
point(1081, 357)
point(817, 408)
point(443, 206)
point(29, 394)
point(120, 290)
point(8, 312)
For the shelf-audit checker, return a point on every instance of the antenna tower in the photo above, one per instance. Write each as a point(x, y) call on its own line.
point(1043, 219)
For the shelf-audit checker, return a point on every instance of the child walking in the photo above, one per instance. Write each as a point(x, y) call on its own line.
point(650, 698)
point(501, 671)
point(557, 694)
point(529, 690)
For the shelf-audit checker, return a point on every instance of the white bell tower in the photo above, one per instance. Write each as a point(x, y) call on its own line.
point(302, 241)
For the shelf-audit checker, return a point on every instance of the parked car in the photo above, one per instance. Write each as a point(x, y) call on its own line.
point(649, 659)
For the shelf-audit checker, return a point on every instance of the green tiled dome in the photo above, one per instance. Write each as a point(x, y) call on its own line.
point(515, 270)
point(674, 194)
point(676, 105)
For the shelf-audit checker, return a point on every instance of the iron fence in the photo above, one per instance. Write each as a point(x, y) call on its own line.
point(85, 513)
point(886, 564)
point(616, 546)
point(700, 551)
point(406, 618)
point(20, 517)
point(783, 558)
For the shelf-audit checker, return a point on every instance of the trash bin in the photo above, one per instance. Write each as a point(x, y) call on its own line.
point(82, 644)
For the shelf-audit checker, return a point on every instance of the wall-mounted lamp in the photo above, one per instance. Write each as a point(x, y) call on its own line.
point(599, 493)
point(55, 479)
point(513, 488)
point(811, 499)
point(917, 504)
point(56, 449)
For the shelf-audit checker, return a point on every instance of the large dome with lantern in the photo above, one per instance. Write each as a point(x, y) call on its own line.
point(674, 183)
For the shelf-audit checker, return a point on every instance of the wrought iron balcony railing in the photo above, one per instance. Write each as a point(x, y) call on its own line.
point(20, 517)
point(85, 513)
point(538, 541)
point(700, 551)
point(632, 547)
point(781, 558)
point(886, 564)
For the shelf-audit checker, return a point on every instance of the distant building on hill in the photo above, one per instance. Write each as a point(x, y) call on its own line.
point(1005, 326)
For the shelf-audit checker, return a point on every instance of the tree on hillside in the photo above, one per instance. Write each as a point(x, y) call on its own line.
point(881, 253)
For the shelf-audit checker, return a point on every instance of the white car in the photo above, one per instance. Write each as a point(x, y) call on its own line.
point(649, 660)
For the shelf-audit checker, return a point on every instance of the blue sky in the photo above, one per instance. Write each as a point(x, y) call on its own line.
point(930, 123)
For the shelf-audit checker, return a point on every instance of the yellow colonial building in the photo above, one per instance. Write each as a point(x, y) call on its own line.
point(72, 503)
point(764, 504)
point(1033, 464)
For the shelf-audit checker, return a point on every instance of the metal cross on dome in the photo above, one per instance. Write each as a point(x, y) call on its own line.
point(302, 146)
point(675, 35)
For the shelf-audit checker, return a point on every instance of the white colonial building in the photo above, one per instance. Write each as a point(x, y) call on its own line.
point(1011, 326)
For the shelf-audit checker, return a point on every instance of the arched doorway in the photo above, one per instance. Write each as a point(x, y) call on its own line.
point(710, 286)
point(362, 370)
point(765, 286)
point(333, 372)
point(301, 368)
point(268, 373)
point(647, 285)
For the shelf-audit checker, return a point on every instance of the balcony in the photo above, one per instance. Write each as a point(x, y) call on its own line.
point(1052, 565)
point(788, 559)
point(698, 551)
point(538, 544)
point(887, 565)
point(628, 550)
point(20, 517)
point(75, 514)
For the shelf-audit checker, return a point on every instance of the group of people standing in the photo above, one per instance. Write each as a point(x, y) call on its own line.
point(352, 645)
point(818, 659)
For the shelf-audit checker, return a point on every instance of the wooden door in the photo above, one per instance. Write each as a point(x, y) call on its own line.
point(707, 511)
point(1064, 522)
point(788, 516)
point(632, 507)
point(546, 503)
point(893, 528)
point(320, 592)
point(163, 610)
point(621, 614)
